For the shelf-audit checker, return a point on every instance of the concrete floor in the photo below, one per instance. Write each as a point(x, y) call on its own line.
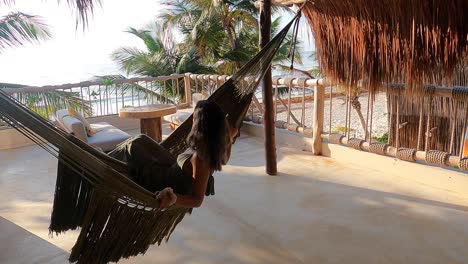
point(317, 210)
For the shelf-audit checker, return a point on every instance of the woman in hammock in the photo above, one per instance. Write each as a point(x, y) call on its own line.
point(186, 182)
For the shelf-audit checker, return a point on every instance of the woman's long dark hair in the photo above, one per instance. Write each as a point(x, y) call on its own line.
point(210, 133)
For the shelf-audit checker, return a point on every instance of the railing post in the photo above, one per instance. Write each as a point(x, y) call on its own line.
point(319, 108)
point(188, 90)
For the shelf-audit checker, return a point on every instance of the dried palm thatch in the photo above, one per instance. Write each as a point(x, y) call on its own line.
point(430, 122)
point(410, 41)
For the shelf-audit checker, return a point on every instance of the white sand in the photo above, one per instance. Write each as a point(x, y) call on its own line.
point(379, 121)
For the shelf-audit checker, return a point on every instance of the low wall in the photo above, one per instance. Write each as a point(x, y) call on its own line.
point(438, 177)
point(10, 138)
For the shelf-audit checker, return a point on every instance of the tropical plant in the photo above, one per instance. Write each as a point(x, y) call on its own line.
point(162, 57)
point(18, 28)
point(381, 139)
point(127, 88)
point(342, 129)
point(224, 33)
point(46, 103)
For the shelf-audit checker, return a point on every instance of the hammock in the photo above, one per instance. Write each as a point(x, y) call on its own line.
point(118, 218)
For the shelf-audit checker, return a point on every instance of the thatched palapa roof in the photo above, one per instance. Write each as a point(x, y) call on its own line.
point(411, 41)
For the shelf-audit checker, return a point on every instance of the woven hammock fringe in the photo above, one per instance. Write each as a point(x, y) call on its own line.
point(71, 199)
point(112, 230)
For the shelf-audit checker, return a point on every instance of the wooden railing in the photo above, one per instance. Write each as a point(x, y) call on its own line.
point(306, 106)
point(104, 97)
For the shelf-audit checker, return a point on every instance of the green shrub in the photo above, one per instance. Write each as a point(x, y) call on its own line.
point(342, 129)
point(382, 139)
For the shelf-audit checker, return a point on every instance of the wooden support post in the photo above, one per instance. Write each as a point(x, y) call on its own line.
point(188, 90)
point(267, 86)
point(152, 128)
point(319, 108)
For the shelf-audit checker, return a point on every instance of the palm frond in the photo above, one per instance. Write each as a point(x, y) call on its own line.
point(151, 43)
point(294, 71)
point(244, 16)
point(84, 9)
point(126, 88)
point(7, 2)
point(128, 59)
point(18, 28)
point(45, 103)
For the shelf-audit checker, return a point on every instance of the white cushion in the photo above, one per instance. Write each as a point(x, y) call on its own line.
point(107, 136)
point(59, 115)
point(71, 124)
point(179, 117)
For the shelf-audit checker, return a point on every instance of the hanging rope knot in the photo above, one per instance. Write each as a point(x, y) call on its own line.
point(463, 164)
point(355, 143)
point(378, 148)
point(437, 157)
point(406, 154)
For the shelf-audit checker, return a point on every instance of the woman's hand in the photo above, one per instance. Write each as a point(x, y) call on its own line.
point(166, 198)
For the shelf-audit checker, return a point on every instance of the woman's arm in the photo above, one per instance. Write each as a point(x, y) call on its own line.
point(233, 132)
point(201, 173)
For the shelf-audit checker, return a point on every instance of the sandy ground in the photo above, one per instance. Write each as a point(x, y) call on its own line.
point(379, 119)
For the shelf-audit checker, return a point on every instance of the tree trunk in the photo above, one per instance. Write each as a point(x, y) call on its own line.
point(357, 107)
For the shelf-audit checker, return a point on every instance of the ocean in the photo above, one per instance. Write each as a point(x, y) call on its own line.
point(83, 71)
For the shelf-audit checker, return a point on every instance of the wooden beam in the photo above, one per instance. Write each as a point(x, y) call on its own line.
point(267, 86)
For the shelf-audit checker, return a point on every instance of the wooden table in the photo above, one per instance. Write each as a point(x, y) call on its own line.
point(150, 118)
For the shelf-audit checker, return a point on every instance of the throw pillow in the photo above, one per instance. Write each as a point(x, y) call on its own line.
point(89, 130)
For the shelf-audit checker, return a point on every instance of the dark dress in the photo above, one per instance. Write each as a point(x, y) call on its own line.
point(154, 168)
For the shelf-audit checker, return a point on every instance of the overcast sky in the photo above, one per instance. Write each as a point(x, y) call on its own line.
point(74, 55)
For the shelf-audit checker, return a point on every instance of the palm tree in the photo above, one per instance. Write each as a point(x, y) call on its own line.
point(224, 33)
point(163, 56)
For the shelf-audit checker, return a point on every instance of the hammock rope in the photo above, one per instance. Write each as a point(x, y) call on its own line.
point(119, 218)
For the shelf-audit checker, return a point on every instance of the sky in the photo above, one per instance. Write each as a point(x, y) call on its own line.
point(74, 55)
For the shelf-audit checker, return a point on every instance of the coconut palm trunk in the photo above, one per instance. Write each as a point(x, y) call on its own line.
point(357, 107)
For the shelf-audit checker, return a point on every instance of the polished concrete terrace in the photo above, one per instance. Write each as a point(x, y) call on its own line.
point(317, 210)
